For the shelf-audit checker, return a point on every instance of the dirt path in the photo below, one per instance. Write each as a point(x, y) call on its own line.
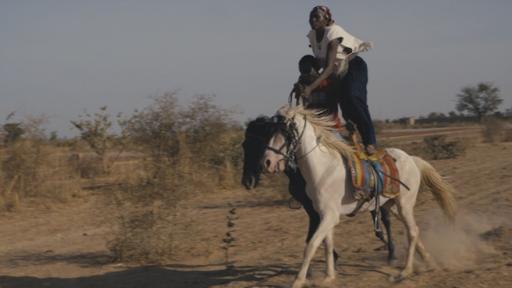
point(66, 246)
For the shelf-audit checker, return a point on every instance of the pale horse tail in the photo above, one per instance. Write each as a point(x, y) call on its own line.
point(442, 191)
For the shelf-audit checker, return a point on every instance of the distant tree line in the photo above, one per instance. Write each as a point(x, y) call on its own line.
point(473, 104)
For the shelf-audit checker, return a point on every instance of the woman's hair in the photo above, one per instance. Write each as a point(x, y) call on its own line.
point(324, 10)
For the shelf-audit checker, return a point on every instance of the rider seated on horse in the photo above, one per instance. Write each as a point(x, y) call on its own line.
point(337, 70)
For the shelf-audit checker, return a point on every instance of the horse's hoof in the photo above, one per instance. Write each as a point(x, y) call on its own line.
point(328, 281)
point(432, 268)
point(395, 279)
point(298, 283)
point(400, 277)
point(392, 261)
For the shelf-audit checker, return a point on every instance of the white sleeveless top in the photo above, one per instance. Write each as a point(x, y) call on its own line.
point(332, 32)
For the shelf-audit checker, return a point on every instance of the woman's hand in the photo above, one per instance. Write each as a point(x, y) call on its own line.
point(307, 92)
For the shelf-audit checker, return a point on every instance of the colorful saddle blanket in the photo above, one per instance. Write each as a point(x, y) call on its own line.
point(366, 177)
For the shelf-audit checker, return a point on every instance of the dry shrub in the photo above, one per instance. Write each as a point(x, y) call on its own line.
point(185, 151)
point(143, 236)
point(21, 170)
point(507, 135)
point(94, 130)
point(32, 169)
point(146, 211)
point(88, 166)
point(493, 130)
point(437, 147)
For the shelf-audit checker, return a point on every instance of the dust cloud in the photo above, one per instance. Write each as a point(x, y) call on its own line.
point(459, 245)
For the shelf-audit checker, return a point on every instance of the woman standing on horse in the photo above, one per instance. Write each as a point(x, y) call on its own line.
point(336, 52)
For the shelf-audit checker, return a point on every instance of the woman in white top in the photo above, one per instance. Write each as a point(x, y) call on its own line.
point(337, 54)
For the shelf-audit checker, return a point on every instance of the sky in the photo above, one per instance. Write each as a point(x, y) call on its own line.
point(61, 57)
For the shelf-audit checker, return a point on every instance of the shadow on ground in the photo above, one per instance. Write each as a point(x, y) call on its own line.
point(155, 277)
point(48, 257)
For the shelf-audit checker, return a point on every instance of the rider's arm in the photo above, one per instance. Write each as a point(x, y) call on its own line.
point(331, 66)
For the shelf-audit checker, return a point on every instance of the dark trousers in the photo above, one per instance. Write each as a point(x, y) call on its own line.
point(352, 93)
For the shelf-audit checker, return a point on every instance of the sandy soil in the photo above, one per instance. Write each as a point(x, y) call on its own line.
point(65, 246)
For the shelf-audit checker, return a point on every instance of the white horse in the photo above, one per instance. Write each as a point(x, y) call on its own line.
point(319, 155)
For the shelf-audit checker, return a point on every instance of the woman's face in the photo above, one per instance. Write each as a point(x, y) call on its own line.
point(317, 19)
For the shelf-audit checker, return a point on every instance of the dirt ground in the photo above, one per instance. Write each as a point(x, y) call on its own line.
point(65, 245)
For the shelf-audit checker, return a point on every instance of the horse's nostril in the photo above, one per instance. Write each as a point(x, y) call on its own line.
point(267, 163)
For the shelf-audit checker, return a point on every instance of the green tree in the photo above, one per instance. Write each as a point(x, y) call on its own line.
point(479, 100)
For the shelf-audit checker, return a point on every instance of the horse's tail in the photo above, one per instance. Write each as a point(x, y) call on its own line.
point(442, 191)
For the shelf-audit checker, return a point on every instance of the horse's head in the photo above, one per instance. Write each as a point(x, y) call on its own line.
point(258, 135)
point(280, 151)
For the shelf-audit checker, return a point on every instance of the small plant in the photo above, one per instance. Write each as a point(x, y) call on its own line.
point(229, 239)
point(144, 237)
point(436, 147)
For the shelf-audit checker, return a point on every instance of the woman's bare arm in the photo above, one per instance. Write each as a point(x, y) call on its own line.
point(332, 48)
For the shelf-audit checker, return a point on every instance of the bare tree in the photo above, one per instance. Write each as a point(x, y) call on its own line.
point(34, 126)
point(479, 100)
point(94, 130)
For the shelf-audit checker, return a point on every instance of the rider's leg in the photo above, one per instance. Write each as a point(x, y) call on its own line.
point(354, 101)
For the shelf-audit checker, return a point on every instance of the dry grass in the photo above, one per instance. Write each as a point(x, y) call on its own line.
point(493, 130)
point(31, 168)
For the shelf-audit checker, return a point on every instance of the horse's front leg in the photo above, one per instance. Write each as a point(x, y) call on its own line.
point(387, 224)
point(297, 188)
point(326, 226)
point(329, 258)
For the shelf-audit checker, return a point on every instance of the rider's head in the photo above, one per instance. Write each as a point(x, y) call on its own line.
point(319, 17)
point(308, 64)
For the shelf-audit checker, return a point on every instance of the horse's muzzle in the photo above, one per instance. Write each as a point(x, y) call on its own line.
point(273, 163)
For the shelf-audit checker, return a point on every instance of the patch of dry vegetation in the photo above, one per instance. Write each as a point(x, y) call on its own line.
point(493, 130)
point(31, 167)
point(186, 151)
point(165, 154)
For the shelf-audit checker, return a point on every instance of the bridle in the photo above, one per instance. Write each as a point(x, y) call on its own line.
point(292, 139)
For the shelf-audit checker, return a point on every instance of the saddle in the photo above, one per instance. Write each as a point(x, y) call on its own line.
point(365, 177)
point(372, 176)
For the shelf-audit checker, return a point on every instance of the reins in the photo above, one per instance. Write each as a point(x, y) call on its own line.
point(292, 141)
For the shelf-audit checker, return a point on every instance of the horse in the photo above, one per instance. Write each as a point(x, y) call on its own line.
point(257, 135)
point(307, 139)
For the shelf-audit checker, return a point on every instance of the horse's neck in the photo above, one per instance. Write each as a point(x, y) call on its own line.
point(316, 159)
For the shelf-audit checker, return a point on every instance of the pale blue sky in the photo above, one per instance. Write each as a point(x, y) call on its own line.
point(61, 57)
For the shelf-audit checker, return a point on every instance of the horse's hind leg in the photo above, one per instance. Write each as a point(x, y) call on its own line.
point(426, 256)
point(419, 245)
point(406, 213)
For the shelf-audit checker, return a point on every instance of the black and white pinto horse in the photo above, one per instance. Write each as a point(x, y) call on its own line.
point(304, 137)
point(257, 135)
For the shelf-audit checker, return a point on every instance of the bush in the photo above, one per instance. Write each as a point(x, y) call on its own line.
point(493, 130)
point(32, 169)
point(436, 147)
point(186, 151)
point(143, 236)
point(94, 130)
